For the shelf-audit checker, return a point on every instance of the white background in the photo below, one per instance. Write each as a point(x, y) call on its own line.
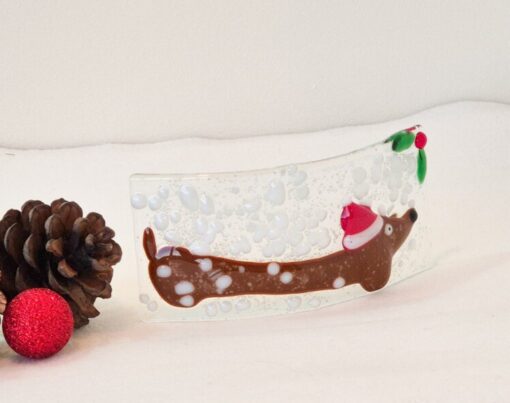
point(85, 72)
point(441, 336)
point(74, 73)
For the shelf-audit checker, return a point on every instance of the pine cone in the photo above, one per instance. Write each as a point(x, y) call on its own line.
point(3, 302)
point(56, 247)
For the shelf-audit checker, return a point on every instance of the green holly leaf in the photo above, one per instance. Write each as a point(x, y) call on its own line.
point(421, 171)
point(393, 136)
point(402, 142)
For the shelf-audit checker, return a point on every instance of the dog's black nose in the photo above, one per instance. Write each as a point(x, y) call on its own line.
point(413, 215)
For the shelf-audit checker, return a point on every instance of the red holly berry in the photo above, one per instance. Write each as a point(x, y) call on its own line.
point(421, 140)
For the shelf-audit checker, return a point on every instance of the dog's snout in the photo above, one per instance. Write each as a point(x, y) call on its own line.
point(413, 215)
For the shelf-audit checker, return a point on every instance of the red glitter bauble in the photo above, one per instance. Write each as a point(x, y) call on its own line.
point(421, 140)
point(37, 323)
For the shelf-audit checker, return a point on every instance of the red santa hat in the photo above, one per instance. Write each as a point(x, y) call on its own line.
point(360, 225)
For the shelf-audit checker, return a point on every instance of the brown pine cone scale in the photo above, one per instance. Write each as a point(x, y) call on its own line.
point(54, 246)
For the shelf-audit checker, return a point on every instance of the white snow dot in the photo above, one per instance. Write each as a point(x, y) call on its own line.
point(164, 271)
point(381, 210)
point(294, 237)
point(223, 282)
point(206, 204)
point(252, 205)
point(299, 178)
point(241, 269)
point(375, 174)
point(154, 202)
point(361, 190)
point(187, 300)
point(201, 225)
point(161, 221)
point(235, 249)
point(276, 192)
point(172, 237)
point(339, 282)
point(138, 201)
point(209, 235)
point(163, 191)
point(184, 287)
point(281, 220)
point(315, 302)
point(152, 306)
point(216, 226)
point(273, 233)
point(293, 302)
point(205, 264)
point(395, 182)
point(175, 216)
point(244, 245)
point(394, 195)
point(407, 189)
point(273, 268)
point(292, 169)
point(199, 247)
point(211, 309)
point(286, 277)
point(267, 250)
point(225, 306)
point(242, 304)
point(278, 247)
point(302, 249)
point(300, 224)
point(323, 238)
point(189, 197)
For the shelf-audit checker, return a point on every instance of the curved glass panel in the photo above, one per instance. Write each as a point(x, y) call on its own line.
point(284, 239)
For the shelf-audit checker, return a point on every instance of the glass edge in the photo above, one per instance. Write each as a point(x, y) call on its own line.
point(140, 175)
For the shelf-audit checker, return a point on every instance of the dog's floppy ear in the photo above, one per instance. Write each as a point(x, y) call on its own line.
point(185, 253)
point(149, 244)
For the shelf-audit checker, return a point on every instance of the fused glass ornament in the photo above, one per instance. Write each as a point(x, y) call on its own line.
point(284, 239)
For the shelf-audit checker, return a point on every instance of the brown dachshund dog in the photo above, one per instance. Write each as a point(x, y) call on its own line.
point(184, 279)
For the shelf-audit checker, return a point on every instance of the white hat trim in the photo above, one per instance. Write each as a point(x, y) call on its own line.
point(361, 238)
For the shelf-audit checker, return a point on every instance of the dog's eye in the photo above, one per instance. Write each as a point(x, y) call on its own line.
point(388, 229)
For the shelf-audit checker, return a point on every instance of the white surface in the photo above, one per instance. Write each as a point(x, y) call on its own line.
point(89, 72)
point(440, 336)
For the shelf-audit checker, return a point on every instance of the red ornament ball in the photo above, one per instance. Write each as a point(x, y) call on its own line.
point(420, 140)
point(37, 323)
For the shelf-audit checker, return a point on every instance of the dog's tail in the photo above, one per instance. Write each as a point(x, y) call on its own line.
point(149, 244)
